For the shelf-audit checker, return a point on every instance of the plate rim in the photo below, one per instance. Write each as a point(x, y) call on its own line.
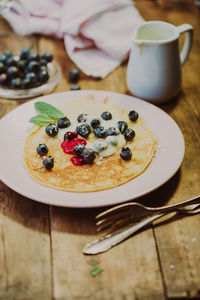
point(51, 97)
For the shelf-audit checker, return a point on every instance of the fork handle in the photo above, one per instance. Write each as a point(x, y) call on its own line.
point(193, 200)
point(110, 240)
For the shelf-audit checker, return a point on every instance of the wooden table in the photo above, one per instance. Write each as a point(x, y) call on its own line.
point(41, 246)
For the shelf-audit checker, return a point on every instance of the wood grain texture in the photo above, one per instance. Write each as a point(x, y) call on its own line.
point(131, 270)
point(178, 241)
point(25, 250)
point(41, 246)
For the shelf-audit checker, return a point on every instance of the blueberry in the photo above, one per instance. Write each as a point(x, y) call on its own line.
point(106, 115)
point(63, 122)
point(100, 132)
point(33, 56)
point(21, 65)
point(133, 115)
point(74, 75)
point(83, 130)
point(122, 126)
point(78, 149)
point(3, 58)
point(129, 134)
point(43, 68)
point(7, 53)
point(95, 123)
point(42, 149)
point(48, 163)
point(32, 77)
point(16, 83)
point(33, 66)
point(47, 56)
point(2, 68)
point(43, 62)
point(11, 61)
point(82, 118)
point(126, 153)
point(112, 131)
point(13, 72)
point(3, 78)
point(43, 76)
point(74, 87)
point(52, 129)
point(88, 155)
point(26, 83)
point(69, 135)
point(25, 53)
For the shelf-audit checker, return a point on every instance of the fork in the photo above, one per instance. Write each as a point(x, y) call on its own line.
point(106, 242)
point(133, 212)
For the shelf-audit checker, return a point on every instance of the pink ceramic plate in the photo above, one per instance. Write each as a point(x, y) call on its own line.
point(14, 129)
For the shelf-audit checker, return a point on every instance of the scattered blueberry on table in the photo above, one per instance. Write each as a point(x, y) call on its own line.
point(74, 75)
point(27, 70)
point(75, 87)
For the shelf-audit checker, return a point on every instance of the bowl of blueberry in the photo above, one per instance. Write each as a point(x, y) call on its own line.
point(27, 74)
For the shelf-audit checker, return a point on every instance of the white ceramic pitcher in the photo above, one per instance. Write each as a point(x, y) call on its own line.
point(154, 67)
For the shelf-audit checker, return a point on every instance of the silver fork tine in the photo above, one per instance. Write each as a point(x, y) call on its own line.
point(121, 216)
point(114, 210)
point(190, 209)
point(134, 211)
point(114, 226)
point(130, 205)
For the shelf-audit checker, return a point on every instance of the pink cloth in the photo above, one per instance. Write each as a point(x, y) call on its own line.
point(97, 33)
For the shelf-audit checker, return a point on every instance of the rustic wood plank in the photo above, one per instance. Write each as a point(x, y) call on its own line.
point(131, 270)
point(25, 271)
point(6, 106)
point(178, 242)
point(25, 253)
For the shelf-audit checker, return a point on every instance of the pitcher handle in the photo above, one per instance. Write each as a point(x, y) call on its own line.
point(188, 30)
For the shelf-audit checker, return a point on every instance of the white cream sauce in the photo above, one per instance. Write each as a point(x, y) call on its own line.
point(104, 147)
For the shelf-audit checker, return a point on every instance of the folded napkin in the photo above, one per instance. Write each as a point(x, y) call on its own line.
point(97, 33)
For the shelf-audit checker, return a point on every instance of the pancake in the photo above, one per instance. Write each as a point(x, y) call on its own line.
point(106, 171)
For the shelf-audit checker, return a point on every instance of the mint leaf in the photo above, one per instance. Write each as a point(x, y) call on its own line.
point(96, 271)
point(48, 109)
point(41, 120)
